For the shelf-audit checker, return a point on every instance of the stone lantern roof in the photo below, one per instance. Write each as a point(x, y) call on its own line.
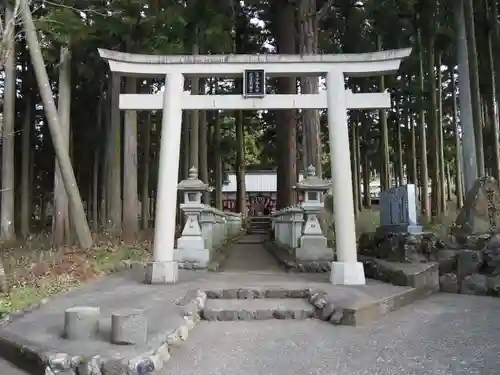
point(192, 183)
point(312, 182)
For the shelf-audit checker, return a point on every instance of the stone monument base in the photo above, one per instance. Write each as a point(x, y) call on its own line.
point(313, 248)
point(313, 252)
point(199, 257)
point(399, 247)
point(347, 273)
point(162, 272)
point(412, 229)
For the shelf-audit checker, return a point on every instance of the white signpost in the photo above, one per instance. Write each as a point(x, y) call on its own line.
point(163, 269)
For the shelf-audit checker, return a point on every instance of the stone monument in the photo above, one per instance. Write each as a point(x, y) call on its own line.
point(399, 238)
point(191, 245)
point(313, 243)
point(398, 210)
point(481, 210)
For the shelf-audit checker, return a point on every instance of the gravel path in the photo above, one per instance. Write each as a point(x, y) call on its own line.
point(444, 334)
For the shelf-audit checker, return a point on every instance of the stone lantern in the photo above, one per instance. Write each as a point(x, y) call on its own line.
point(313, 243)
point(193, 188)
point(191, 245)
point(313, 188)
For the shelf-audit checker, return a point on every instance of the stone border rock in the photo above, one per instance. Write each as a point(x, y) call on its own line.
point(323, 306)
point(37, 359)
point(326, 309)
point(291, 265)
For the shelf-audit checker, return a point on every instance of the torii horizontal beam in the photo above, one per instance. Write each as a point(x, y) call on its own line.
point(145, 102)
point(359, 64)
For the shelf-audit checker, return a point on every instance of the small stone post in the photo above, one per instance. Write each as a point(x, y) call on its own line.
point(128, 327)
point(81, 322)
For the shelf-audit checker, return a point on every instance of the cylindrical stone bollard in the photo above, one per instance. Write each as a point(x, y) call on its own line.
point(81, 322)
point(128, 327)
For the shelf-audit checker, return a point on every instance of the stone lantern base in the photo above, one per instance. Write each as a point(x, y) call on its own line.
point(313, 244)
point(313, 248)
point(197, 256)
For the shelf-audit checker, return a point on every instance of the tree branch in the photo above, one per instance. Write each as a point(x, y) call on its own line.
point(324, 10)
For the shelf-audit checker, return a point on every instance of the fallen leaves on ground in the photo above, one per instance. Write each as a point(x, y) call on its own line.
point(34, 274)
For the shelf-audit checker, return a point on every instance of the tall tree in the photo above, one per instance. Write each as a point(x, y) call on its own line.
point(474, 84)
point(130, 197)
point(7, 230)
point(61, 233)
point(286, 130)
point(75, 202)
point(311, 132)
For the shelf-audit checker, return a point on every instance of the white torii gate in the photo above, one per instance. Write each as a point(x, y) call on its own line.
point(163, 269)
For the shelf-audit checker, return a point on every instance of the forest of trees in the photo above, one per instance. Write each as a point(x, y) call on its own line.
point(60, 99)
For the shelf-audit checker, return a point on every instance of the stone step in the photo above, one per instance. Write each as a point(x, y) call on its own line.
point(257, 309)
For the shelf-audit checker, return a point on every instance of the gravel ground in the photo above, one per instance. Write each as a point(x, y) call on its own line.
point(444, 334)
point(6, 368)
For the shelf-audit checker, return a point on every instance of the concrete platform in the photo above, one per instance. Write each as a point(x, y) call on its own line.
point(6, 368)
point(36, 336)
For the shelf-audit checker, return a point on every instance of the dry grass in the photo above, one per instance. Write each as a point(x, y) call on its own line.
point(34, 274)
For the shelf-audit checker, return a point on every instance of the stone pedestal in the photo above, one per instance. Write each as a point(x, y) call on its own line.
point(191, 245)
point(162, 272)
point(313, 244)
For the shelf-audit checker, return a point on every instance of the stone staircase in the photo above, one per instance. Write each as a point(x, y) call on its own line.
point(265, 304)
point(259, 225)
point(258, 309)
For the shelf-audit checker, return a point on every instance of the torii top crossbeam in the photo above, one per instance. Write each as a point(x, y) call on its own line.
point(359, 64)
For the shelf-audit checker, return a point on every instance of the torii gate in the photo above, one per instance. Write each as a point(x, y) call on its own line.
point(254, 68)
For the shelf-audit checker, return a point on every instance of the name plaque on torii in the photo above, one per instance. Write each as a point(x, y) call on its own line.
point(254, 83)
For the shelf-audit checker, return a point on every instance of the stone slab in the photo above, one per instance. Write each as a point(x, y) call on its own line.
point(416, 275)
point(398, 208)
